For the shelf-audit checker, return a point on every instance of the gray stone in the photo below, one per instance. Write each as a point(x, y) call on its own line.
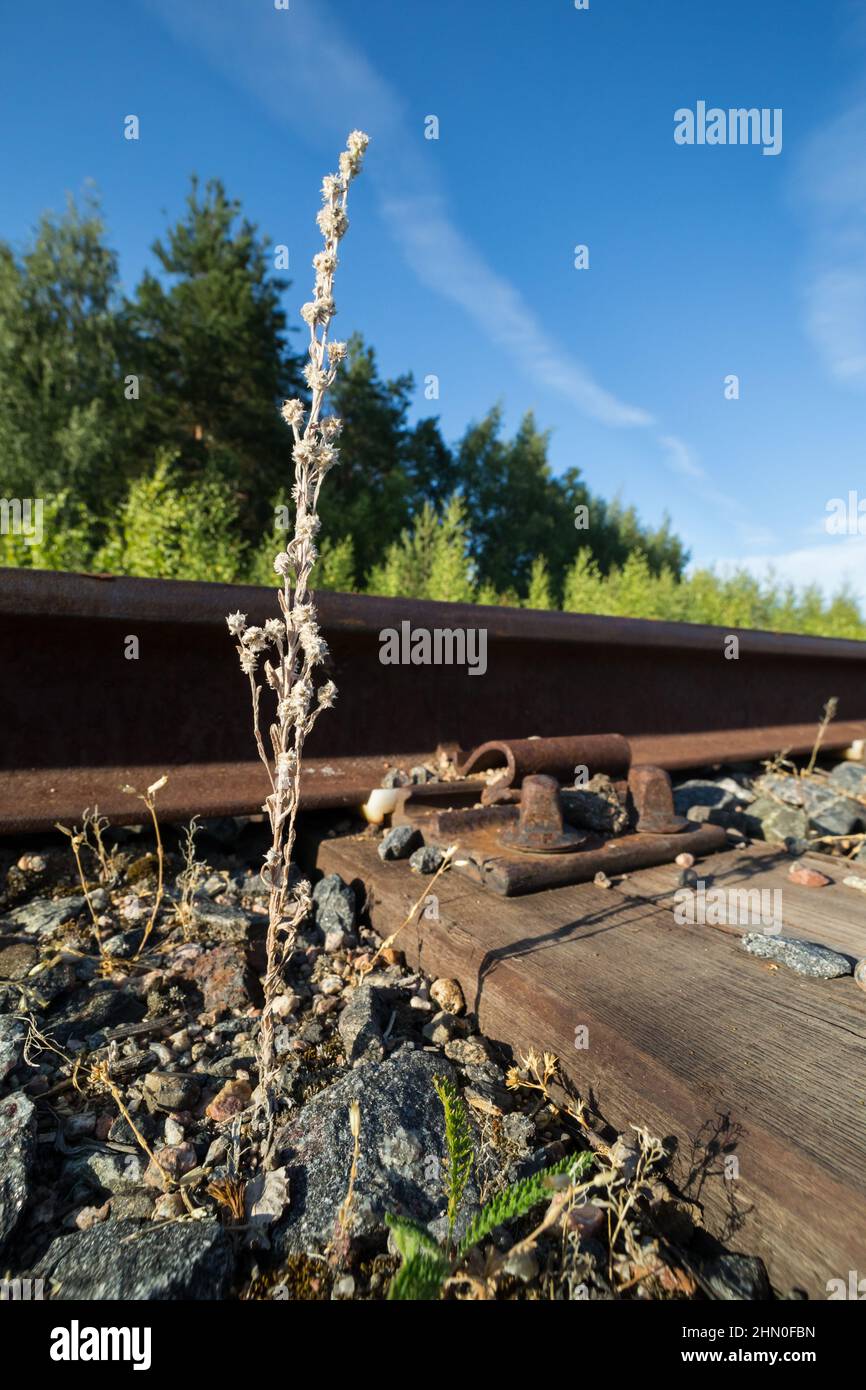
point(107, 1170)
point(97, 1009)
point(399, 842)
point(426, 860)
point(806, 957)
point(222, 922)
point(850, 778)
point(42, 915)
point(699, 792)
point(360, 1025)
point(17, 1148)
point(768, 820)
point(135, 1205)
point(786, 788)
point(401, 1152)
point(734, 1277)
point(420, 774)
point(124, 1260)
point(829, 813)
point(164, 1090)
point(12, 1035)
point(123, 945)
point(17, 960)
point(334, 905)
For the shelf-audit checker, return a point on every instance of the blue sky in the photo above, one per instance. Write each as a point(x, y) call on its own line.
point(556, 129)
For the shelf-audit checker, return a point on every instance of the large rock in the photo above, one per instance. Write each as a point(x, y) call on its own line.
point(12, 1035)
point(41, 915)
point(93, 1010)
point(17, 1144)
point(361, 1024)
point(335, 905)
point(850, 778)
point(768, 820)
point(806, 957)
point(125, 1260)
point(222, 922)
point(400, 1165)
point(224, 978)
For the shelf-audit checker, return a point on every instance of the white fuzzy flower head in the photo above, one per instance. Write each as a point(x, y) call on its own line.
point(337, 352)
point(236, 623)
point(326, 457)
point(333, 223)
point(327, 695)
point(275, 630)
point(299, 700)
point(283, 564)
point(304, 453)
point(249, 662)
point(319, 310)
point(307, 527)
point(332, 187)
point(254, 639)
point(316, 379)
point(357, 143)
point(293, 412)
point(314, 645)
point(325, 262)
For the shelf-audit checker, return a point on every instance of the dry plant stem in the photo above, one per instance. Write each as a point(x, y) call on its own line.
point(828, 715)
point(389, 941)
point(160, 888)
point(293, 642)
point(75, 840)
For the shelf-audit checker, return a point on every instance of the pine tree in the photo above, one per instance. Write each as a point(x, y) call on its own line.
point(212, 353)
point(63, 417)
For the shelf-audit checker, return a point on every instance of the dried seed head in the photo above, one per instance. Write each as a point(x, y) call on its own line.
point(327, 695)
point(293, 412)
point(236, 623)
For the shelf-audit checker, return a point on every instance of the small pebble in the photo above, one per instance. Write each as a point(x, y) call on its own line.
point(426, 860)
point(234, 1097)
point(448, 995)
point(399, 842)
point(852, 881)
point(173, 1131)
point(601, 880)
point(860, 973)
point(805, 957)
point(684, 861)
point(806, 877)
point(330, 984)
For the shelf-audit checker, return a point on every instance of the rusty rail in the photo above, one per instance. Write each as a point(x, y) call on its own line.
point(79, 720)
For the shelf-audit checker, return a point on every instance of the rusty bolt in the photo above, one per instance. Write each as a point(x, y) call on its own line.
point(653, 797)
point(540, 828)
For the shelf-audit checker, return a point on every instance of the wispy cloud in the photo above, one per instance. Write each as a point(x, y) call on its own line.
point(840, 560)
point(683, 461)
point(302, 70)
point(832, 186)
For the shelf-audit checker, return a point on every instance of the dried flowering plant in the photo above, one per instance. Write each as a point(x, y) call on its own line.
point(291, 647)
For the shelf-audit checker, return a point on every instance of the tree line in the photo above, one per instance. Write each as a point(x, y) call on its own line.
point(148, 424)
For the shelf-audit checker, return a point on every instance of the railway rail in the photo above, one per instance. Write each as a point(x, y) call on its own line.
point(749, 1072)
point(85, 711)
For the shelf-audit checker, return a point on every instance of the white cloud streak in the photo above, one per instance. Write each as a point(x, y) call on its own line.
point(299, 67)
